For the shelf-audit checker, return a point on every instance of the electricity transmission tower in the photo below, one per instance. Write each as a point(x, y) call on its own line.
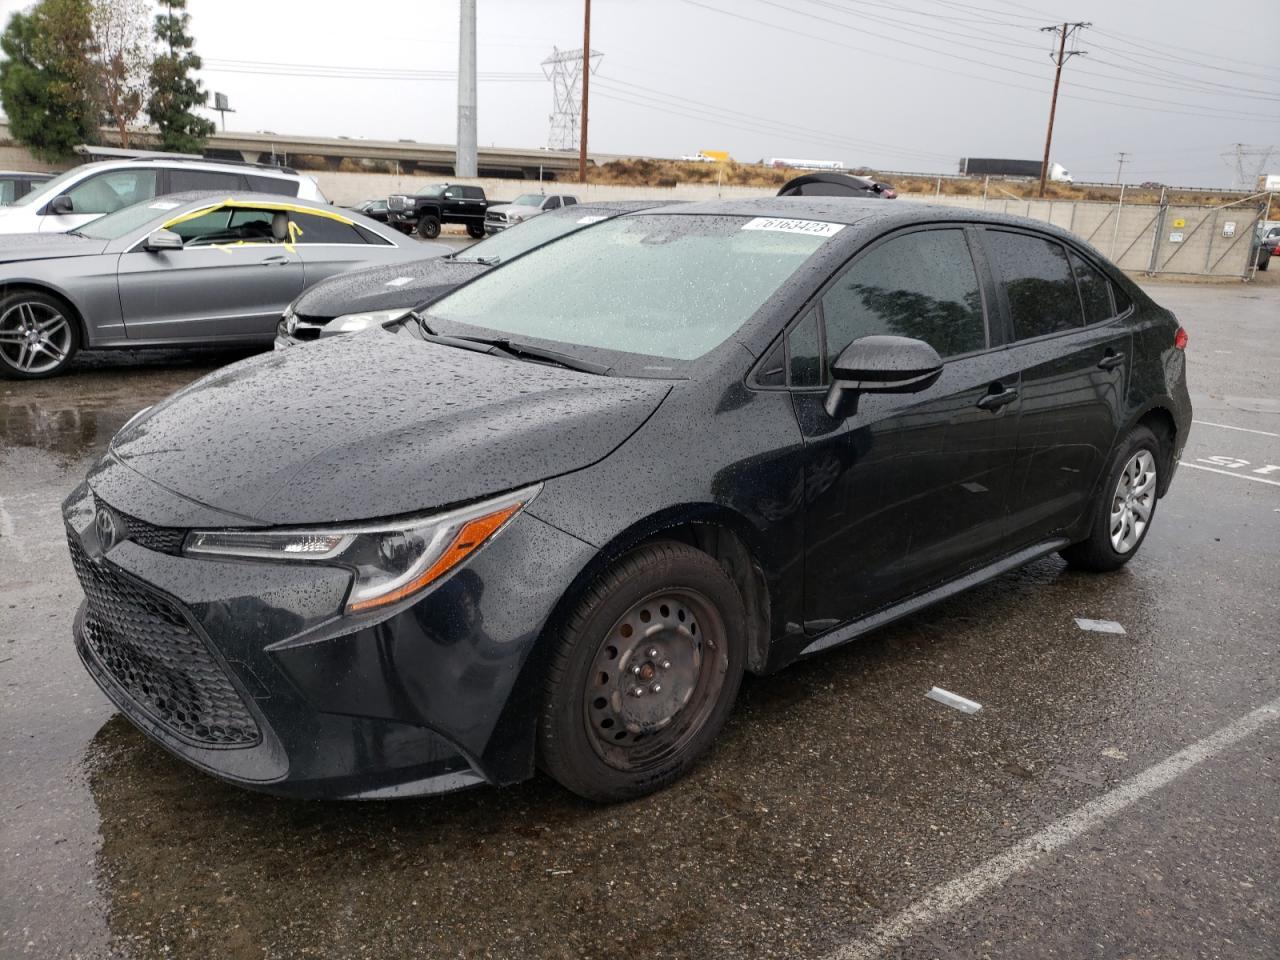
point(1248, 163)
point(564, 69)
point(1065, 32)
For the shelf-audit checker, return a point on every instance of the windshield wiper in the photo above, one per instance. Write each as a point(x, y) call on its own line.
point(526, 351)
point(421, 321)
point(77, 233)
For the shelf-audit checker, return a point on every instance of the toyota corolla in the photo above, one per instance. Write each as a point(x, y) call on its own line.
point(552, 520)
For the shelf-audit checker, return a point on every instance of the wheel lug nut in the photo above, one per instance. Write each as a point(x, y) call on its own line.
point(666, 664)
point(638, 692)
point(653, 651)
point(656, 688)
point(636, 670)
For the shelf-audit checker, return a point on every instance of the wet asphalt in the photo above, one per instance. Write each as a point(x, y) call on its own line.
point(841, 814)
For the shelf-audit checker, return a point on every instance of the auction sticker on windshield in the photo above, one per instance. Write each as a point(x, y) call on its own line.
point(814, 228)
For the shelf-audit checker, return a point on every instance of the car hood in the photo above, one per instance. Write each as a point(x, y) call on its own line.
point(509, 208)
point(385, 288)
point(46, 246)
point(374, 425)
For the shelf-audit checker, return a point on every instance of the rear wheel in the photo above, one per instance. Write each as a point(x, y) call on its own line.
point(644, 674)
point(1124, 516)
point(429, 227)
point(475, 231)
point(38, 335)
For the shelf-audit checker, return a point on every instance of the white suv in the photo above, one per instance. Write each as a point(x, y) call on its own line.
point(86, 192)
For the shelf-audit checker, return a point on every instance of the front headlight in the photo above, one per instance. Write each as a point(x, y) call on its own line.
point(516, 217)
point(354, 322)
point(391, 561)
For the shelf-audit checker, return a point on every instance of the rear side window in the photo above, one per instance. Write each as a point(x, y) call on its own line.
point(180, 180)
point(921, 285)
point(277, 185)
point(1038, 283)
point(473, 193)
point(313, 229)
point(1095, 292)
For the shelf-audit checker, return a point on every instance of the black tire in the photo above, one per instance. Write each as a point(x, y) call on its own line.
point(429, 227)
point(26, 356)
point(475, 231)
point(1264, 264)
point(1098, 552)
point(593, 648)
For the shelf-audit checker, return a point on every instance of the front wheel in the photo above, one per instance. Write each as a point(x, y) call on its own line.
point(429, 228)
point(1124, 516)
point(475, 231)
point(643, 675)
point(38, 335)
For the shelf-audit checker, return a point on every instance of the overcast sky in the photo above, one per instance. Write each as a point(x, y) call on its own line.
point(901, 86)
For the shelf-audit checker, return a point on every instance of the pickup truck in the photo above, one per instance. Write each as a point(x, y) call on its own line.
point(503, 215)
point(423, 212)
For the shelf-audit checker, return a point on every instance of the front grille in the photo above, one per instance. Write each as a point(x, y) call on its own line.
point(143, 642)
point(160, 539)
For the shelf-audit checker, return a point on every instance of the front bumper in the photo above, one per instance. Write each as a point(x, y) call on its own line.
point(248, 671)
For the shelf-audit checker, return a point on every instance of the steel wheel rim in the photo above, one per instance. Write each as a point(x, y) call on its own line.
point(1133, 501)
point(34, 337)
point(671, 647)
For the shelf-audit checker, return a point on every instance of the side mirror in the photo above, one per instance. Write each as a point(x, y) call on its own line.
point(61, 204)
point(880, 364)
point(162, 240)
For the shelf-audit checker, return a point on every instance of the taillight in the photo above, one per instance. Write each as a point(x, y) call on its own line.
point(1180, 339)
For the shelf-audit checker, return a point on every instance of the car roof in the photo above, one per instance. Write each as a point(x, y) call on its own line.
point(26, 173)
point(868, 214)
point(196, 163)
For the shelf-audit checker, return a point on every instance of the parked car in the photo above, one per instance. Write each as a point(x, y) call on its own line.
point(373, 209)
point(91, 190)
point(1264, 247)
point(16, 184)
point(423, 213)
point(557, 516)
point(381, 295)
point(524, 207)
point(193, 268)
point(829, 183)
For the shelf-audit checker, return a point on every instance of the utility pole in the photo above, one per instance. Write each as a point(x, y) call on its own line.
point(1121, 157)
point(586, 89)
point(465, 164)
point(1064, 31)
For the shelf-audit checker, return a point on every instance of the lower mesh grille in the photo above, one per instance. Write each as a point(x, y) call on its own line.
point(144, 643)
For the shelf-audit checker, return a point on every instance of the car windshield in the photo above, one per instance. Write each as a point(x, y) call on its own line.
point(48, 189)
point(128, 220)
point(528, 200)
point(534, 232)
point(435, 191)
point(666, 286)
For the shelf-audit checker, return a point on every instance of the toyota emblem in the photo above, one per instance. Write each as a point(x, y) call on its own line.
point(108, 528)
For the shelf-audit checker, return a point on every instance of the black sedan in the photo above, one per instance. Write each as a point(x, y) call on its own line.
point(554, 519)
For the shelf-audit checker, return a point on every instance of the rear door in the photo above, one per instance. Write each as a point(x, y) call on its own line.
point(911, 489)
point(1073, 352)
point(231, 280)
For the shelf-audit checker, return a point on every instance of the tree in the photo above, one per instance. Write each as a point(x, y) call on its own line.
point(122, 52)
point(47, 83)
point(174, 91)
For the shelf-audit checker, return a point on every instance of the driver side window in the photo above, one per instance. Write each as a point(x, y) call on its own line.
point(228, 225)
point(111, 191)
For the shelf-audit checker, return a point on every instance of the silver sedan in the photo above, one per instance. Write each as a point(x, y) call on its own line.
point(187, 269)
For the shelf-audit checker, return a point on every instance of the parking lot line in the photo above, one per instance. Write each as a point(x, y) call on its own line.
point(950, 896)
point(1228, 473)
point(1227, 426)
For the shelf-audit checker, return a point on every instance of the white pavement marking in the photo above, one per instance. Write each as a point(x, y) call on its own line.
point(1228, 473)
point(949, 699)
point(1227, 426)
point(953, 895)
point(1099, 626)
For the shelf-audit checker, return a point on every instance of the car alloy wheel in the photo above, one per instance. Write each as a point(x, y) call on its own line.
point(656, 678)
point(1133, 501)
point(35, 338)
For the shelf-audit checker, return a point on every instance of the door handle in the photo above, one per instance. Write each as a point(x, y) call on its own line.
point(1110, 360)
point(997, 397)
point(274, 261)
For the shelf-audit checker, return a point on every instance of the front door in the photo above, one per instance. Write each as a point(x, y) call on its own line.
point(231, 280)
point(911, 489)
point(1074, 355)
